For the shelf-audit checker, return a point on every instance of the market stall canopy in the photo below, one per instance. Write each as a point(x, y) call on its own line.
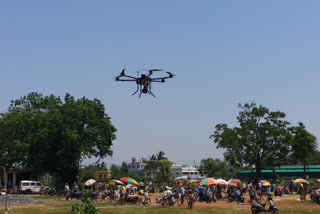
point(90, 182)
point(115, 182)
point(129, 180)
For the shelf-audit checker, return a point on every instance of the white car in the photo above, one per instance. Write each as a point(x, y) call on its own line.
point(29, 187)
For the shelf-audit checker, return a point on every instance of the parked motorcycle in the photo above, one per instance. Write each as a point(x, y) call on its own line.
point(121, 200)
point(49, 191)
point(74, 193)
point(314, 197)
point(238, 197)
point(165, 201)
point(259, 206)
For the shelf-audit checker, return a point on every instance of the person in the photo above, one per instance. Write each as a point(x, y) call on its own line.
point(208, 195)
point(317, 195)
point(66, 189)
point(259, 185)
point(251, 192)
point(218, 192)
point(268, 190)
point(301, 192)
point(141, 193)
point(41, 190)
point(213, 194)
point(244, 186)
point(190, 195)
point(278, 191)
point(182, 191)
point(200, 190)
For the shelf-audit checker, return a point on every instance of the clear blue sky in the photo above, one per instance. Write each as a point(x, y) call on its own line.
point(222, 52)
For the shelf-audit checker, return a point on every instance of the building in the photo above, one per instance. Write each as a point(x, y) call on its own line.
point(103, 176)
point(190, 172)
point(176, 171)
point(137, 168)
point(284, 172)
point(11, 178)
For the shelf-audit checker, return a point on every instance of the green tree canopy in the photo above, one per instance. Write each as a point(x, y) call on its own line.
point(159, 166)
point(262, 138)
point(124, 168)
point(56, 134)
point(304, 146)
point(216, 168)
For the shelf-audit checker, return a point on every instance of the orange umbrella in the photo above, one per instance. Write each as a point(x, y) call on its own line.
point(265, 183)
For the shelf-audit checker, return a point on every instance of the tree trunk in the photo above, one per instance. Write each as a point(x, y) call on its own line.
point(274, 173)
point(257, 176)
point(304, 170)
point(5, 177)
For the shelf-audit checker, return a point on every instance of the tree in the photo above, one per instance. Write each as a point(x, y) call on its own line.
point(315, 159)
point(304, 145)
point(160, 155)
point(89, 172)
point(164, 170)
point(115, 172)
point(158, 164)
point(56, 134)
point(12, 149)
point(124, 168)
point(101, 166)
point(261, 140)
point(133, 160)
point(216, 167)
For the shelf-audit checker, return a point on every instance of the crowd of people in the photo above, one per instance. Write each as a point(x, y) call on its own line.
point(178, 193)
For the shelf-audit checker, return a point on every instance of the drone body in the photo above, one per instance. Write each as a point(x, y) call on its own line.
point(144, 81)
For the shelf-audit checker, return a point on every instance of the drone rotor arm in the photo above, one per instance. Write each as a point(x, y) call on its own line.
point(130, 77)
point(158, 81)
point(126, 80)
point(160, 78)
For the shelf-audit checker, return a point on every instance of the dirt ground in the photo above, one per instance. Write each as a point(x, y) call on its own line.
point(285, 204)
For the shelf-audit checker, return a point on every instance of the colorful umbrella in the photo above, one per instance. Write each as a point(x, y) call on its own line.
point(265, 183)
point(115, 182)
point(222, 182)
point(234, 180)
point(129, 181)
point(89, 182)
point(193, 181)
point(209, 182)
point(180, 180)
point(232, 184)
point(183, 179)
point(301, 181)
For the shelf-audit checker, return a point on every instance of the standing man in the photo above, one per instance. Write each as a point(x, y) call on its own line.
point(200, 190)
point(182, 191)
point(208, 195)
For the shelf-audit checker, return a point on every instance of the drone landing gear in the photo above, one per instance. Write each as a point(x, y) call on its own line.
point(136, 91)
point(151, 93)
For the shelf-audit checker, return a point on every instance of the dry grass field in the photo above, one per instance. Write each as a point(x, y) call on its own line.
point(49, 205)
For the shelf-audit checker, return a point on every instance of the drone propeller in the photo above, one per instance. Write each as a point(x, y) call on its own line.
point(170, 74)
point(156, 70)
point(151, 70)
point(121, 74)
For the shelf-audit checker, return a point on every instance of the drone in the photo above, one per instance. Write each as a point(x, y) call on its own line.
point(144, 81)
